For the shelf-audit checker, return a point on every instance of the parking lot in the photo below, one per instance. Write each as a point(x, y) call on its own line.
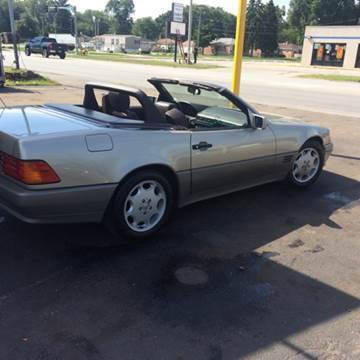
point(266, 273)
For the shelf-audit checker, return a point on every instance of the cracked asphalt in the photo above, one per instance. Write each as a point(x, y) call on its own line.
point(279, 272)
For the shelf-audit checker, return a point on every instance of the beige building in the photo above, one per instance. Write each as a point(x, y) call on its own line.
point(332, 46)
point(118, 43)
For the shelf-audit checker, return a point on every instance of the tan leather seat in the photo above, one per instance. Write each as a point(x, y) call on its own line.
point(118, 104)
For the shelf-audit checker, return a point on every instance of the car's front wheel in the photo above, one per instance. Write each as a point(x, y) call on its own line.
point(27, 51)
point(307, 165)
point(142, 205)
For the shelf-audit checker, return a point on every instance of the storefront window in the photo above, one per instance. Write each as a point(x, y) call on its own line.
point(357, 64)
point(328, 54)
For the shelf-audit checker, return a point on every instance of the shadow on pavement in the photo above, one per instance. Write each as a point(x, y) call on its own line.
point(12, 90)
point(73, 298)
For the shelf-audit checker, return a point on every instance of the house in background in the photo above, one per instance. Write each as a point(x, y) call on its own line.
point(118, 43)
point(186, 46)
point(289, 50)
point(164, 45)
point(222, 46)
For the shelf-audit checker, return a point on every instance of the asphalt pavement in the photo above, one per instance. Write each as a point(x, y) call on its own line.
point(266, 273)
point(274, 84)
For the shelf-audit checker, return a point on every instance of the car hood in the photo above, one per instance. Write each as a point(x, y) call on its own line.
point(281, 122)
point(34, 121)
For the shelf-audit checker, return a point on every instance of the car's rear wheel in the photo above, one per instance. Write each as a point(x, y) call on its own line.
point(27, 51)
point(45, 53)
point(142, 205)
point(307, 165)
point(62, 55)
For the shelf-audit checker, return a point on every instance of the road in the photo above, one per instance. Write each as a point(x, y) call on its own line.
point(272, 84)
point(267, 273)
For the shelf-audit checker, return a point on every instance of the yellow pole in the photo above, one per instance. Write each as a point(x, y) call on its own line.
point(239, 46)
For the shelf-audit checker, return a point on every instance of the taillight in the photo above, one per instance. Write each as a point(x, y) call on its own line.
point(30, 172)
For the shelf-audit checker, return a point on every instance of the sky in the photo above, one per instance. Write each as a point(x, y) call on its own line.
point(154, 8)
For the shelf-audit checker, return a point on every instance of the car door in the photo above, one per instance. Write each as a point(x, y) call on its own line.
point(36, 48)
point(226, 159)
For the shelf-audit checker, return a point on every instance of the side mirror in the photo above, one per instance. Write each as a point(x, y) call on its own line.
point(257, 121)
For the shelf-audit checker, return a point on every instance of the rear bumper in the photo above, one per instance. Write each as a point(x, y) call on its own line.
point(328, 151)
point(85, 204)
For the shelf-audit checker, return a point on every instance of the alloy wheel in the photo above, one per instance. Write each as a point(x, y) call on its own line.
point(306, 165)
point(145, 206)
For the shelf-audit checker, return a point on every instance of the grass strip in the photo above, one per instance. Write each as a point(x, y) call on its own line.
point(331, 77)
point(134, 60)
point(22, 77)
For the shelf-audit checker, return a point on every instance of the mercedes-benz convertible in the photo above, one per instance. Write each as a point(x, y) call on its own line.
point(127, 159)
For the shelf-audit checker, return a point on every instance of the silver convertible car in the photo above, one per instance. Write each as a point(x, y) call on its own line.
point(127, 159)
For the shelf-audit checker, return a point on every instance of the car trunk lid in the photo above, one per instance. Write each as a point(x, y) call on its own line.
point(24, 122)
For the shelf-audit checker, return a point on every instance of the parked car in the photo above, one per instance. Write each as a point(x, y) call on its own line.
point(45, 46)
point(127, 159)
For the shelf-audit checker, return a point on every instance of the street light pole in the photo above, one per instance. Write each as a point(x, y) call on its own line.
point(239, 46)
point(13, 31)
point(76, 31)
point(189, 32)
point(199, 30)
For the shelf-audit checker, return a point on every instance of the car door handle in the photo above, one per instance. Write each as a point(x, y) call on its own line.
point(203, 145)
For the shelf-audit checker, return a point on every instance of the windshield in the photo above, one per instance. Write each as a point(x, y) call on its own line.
point(196, 95)
point(212, 108)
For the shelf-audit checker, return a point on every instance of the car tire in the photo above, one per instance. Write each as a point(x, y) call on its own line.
point(27, 51)
point(45, 53)
point(142, 205)
point(62, 56)
point(307, 165)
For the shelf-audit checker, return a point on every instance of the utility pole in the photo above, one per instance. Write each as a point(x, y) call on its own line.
point(13, 31)
point(239, 46)
point(189, 32)
point(199, 29)
point(76, 30)
point(94, 21)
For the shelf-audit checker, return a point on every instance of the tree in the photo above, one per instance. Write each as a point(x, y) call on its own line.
point(215, 23)
point(121, 11)
point(268, 40)
point(4, 16)
point(146, 28)
point(86, 22)
point(27, 25)
point(334, 12)
point(254, 24)
point(320, 12)
point(161, 23)
point(63, 20)
point(299, 16)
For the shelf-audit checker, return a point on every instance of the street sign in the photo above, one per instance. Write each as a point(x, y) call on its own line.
point(177, 12)
point(177, 28)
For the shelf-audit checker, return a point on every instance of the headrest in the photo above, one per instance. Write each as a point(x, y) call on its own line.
point(176, 117)
point(118, 101)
